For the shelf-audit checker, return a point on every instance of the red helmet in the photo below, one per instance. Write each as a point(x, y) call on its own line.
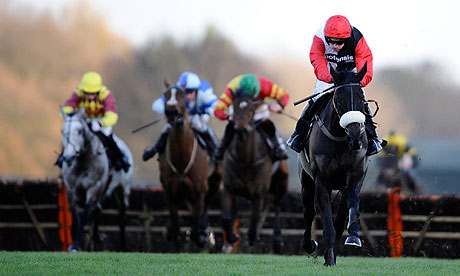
point(337, 26)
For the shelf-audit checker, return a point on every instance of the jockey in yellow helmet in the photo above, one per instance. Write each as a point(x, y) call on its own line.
point(101, 110)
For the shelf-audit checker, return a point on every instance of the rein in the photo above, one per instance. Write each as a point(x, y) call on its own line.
point(190, 161)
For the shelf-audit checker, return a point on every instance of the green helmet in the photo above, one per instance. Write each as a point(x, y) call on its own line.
point(250, 83)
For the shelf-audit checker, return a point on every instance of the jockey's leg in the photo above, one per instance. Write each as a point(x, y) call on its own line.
point(297, 139)
point(114, 153)
point(228, 136)
point(279, 150)
point(159, 146)
point(375, 145)
point(210, 140)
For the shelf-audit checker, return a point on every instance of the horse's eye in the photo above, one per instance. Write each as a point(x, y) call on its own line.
point(79, 132)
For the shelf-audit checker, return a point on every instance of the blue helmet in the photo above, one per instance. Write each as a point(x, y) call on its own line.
point(189, 80)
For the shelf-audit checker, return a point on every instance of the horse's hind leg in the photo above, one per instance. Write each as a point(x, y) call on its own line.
point(308, 202)
point(213, 184)
point(228, 217)
point(257, 204)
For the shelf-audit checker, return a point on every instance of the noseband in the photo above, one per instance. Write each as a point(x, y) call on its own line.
point(353, 115)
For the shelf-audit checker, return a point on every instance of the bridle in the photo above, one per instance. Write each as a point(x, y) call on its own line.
point(353, 113)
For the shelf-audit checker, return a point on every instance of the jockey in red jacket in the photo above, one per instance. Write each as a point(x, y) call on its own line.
point(264, 89)
point(343, 47)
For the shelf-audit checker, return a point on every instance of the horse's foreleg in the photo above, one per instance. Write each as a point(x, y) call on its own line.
point(353, 216)
point(277, 241)
point(255, 216)
point(323, 205)
point(308, 202)
point(82, 219)
point(173, 231)
point(339, 222)
point(197, 213)
point(122, 217)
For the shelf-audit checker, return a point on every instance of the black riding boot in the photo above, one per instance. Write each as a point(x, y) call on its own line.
point(297, 139)
point(114, 153)
point(228, 136)
point(159, 146)
point(375, 145)
point(269, 130)
point(210, 140)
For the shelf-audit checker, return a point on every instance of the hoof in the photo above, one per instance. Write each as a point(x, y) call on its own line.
point(353, 241)
point(99, 237)
point(73, 248)
point(329, 257)
point(278, 246)
point(202, 240)
point(253, 242)
point(229, 248)
point(309, 247)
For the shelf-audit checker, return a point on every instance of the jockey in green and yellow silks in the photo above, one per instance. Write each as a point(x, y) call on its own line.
point(263, 90)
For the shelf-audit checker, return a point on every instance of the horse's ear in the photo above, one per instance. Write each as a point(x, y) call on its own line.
point(82, 110)
point(62, 111)
point(167, 84)
point(361, 73)
point(233, 94)
point(335, 75)
point(251, 96)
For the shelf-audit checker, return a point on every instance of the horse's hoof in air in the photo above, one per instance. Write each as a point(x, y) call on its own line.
point(312, 246)
point(353, 241)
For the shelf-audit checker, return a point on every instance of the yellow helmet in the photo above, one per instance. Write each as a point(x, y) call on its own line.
point(91, 82)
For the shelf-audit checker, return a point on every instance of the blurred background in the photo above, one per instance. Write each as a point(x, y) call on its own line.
point(46, 46)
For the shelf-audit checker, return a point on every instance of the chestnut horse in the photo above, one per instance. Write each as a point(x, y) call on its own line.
point(335, 159)
point(249, 172)
point(184, 170)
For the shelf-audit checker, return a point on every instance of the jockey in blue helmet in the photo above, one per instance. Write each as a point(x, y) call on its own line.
point(200, 106)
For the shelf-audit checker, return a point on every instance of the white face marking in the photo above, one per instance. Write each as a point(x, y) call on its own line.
point(243, 104)
point(172, 100)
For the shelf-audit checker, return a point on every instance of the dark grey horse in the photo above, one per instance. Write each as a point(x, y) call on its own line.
point(335, 159)
point(86, 175)
point(249, 172)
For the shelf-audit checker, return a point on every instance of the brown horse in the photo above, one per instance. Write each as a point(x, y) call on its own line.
point(184, 170)
point(249, 172)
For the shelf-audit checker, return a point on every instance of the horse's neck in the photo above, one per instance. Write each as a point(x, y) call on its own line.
point(249, 148)
point(331, 120)
point(181, 138)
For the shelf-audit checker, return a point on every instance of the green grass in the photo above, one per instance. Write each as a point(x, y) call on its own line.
point(104, 263)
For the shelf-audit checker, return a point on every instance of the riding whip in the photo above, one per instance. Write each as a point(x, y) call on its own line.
point(312, 96)
point(147, 125)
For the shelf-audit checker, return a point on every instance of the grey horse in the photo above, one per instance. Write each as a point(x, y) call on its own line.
point(87, 176)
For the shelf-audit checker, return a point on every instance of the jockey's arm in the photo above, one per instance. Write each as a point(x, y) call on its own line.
point(363, 54)
point(159, 105)
point(110, 117)
point(318, 60)
point(223, 104)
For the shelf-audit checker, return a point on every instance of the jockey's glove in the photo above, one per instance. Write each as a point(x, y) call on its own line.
point(95, 126)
